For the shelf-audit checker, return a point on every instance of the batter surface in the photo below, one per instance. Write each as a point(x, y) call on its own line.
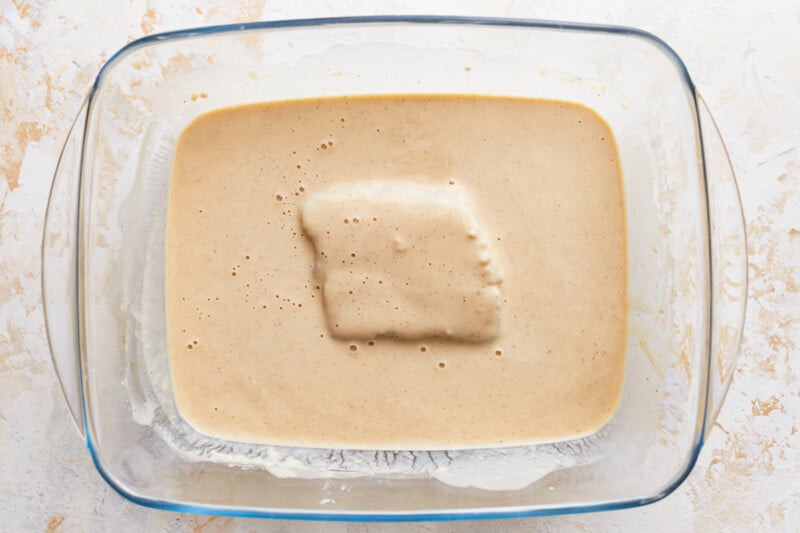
point(397, 272)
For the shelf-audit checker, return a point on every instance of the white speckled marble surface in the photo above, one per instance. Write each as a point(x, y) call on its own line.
point(745, 58)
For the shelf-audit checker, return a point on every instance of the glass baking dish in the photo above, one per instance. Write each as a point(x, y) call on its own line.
point(103, 264)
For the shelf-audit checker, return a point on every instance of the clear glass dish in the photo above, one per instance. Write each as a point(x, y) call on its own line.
point(103, 263)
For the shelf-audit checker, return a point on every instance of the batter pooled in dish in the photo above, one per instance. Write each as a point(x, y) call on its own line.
point(397, 272)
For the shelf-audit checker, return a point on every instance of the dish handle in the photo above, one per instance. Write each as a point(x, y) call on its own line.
point(728, 264)
point(60, 269)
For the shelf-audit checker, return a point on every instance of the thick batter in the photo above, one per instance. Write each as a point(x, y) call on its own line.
point(397, 272)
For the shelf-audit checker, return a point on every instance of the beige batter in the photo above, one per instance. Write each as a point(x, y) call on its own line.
point(404, 260)
point(471, 251)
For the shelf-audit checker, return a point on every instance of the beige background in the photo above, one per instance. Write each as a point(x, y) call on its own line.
point(744, 57)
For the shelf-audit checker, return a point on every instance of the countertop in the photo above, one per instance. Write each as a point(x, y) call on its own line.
point(743, 57)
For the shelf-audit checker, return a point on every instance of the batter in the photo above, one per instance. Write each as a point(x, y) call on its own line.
point(397, 272)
